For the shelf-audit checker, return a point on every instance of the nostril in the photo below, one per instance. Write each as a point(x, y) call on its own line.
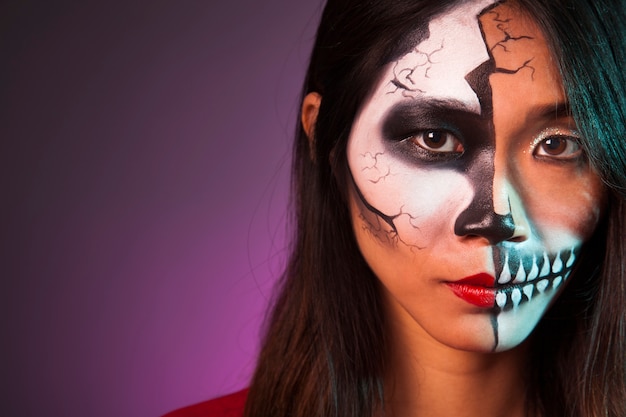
point(487, 224)
point(521, 232)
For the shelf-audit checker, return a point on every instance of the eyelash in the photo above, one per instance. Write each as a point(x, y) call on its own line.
point(550, 145)
point(553, 145)
point(451, 145)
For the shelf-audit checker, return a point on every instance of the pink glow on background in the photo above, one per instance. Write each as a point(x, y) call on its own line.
point(144, 170)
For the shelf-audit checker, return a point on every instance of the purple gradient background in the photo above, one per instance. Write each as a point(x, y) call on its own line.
point(144, 170)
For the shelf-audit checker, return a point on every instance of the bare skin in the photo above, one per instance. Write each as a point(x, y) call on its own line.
point(448, 381)
point(470, 199)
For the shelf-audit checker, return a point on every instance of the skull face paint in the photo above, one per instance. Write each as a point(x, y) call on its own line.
point(470, 194)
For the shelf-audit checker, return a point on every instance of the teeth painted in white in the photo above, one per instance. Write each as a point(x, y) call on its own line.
point(558, 264)
point(528, 291)
point(542, 285)
point(571, 259)
point(542, 280)
point(521, 274)
point(534, 270)
point(545, 269)
point(505, 276)
point(516, 296)
point(501, 299)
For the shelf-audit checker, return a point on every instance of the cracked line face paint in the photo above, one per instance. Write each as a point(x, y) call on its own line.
point(470, 195)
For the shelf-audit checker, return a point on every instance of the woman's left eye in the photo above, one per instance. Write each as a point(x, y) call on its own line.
point(558, 147)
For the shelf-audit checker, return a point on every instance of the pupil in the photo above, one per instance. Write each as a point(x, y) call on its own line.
point(554, 146)
point(434, 139)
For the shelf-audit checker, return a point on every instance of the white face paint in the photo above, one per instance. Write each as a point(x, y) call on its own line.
point(471, 197)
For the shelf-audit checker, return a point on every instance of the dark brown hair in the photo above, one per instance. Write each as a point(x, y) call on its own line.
point(325, 344)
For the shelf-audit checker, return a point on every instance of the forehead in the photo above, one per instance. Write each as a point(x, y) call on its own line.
point(438, 65)
point(471, 40)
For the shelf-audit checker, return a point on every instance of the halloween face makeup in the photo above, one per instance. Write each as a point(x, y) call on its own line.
point(470, 195)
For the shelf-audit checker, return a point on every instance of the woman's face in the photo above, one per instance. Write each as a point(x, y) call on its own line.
point(470, 196)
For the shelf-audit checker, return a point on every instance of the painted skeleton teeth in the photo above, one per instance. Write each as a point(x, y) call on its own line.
point(537, 277)
point(542, 285)
point(516, 297)
point(545, 269)
point(520, 276)
point(526, 274)
point(505, 276)
point(501, 299)
point(528, 291)
point(557, 266)
point(534, 270)
point(571, 259)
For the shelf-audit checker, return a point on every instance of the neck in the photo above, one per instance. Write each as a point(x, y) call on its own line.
point(429, 379)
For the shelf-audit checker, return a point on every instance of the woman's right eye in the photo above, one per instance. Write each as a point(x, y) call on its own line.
point(437, 141)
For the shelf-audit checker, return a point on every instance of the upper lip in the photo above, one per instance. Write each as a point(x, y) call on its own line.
point(513, 271)
point(482, 279)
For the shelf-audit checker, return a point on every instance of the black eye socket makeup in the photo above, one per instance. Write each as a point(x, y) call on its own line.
point(407, 125)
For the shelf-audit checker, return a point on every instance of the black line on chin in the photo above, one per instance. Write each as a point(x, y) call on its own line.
point(494, 326)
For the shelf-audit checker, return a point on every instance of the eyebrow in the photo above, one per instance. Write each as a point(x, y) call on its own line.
point(556, 110)
point(434, 103)
point(423, 113)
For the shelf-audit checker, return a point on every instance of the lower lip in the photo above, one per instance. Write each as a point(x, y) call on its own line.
point(477, 290)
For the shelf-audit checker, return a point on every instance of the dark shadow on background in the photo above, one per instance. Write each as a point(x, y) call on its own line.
point(144, 162)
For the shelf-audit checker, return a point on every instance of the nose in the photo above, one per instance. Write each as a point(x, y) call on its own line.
point(480, 220)
point(496, 211)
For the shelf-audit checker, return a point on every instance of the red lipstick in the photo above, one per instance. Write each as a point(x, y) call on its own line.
point(477, 290)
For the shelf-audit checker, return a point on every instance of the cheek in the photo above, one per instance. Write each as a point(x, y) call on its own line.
point(417, 204)
point(568, 212)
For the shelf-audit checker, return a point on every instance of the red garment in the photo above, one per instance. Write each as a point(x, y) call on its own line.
point(227, 406)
